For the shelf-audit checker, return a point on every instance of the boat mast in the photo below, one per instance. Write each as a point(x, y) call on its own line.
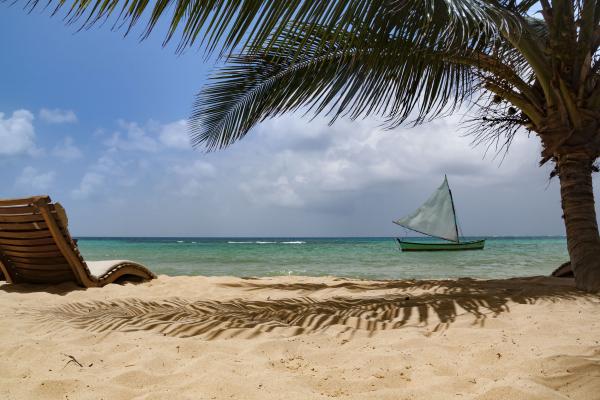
point(453, 209)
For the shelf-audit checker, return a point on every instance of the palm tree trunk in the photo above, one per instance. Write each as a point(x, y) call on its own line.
point(583, 241)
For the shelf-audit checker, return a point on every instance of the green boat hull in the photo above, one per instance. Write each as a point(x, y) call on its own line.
point(424, 246)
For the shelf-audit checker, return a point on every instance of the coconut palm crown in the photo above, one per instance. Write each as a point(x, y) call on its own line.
point(529, 65)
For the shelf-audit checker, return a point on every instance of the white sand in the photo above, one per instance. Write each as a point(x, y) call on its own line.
point(301, 338)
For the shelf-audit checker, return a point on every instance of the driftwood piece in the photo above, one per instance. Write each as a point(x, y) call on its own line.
point(564, 271)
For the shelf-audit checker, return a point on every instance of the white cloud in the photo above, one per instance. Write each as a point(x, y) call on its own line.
point(351, 177)
point(191, 179)
point(124, 164)
point(90, 184)
point(149, 137)
point(32, 178)
point(279, 192)
point(293, 163)
point(67, 150)
point(17, 133)
point(132, 137)
point(198, 168)
point(112, 173)
point(57, 116)
point(175, 135)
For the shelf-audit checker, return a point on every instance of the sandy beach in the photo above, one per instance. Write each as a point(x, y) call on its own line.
point(301, 338)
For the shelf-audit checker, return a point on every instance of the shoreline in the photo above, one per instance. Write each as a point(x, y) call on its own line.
point(308, 337)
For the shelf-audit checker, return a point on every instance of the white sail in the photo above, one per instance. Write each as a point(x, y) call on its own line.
point(435, 217)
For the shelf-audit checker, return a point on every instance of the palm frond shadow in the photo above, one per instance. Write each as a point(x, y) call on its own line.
point(211, 319)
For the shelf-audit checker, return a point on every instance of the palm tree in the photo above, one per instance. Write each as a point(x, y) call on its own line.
point(520, 65)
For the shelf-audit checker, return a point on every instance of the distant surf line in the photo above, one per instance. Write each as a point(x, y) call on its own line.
point(265, 242)
point(252, 242)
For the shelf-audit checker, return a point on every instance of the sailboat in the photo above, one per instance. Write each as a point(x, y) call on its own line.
point(436, 218)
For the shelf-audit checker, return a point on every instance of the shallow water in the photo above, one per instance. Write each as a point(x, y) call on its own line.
point(376, 258)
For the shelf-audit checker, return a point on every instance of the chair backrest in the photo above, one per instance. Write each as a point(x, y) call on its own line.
point(35, 244)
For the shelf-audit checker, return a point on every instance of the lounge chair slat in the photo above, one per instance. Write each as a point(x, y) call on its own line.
point(67, 247)
point(28, 242)
point(21, 218)
point(43, 267)
point(32, 254)
point(28, 249)
point(23, 226)
point(22, 210)
point(25, 210)
point(7, 270)
point(26, 200)
point(25, 234)
point(33, 260)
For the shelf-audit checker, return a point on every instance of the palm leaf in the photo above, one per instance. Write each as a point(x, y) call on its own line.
point(230, 24)
point(381, 76)
point(393, 58)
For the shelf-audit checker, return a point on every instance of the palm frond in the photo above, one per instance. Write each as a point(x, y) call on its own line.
point(495, 123)
point(381, 76)
point(216, 23)
point(230, 24)
point(393, 58)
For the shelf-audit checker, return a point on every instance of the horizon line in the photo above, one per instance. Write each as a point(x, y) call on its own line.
point(300, 236)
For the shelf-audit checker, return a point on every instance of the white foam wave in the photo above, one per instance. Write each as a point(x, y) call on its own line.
point(263, 242)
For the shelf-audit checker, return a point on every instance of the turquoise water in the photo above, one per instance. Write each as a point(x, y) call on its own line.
point(376, 258)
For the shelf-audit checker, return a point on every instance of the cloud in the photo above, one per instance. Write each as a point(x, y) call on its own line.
point(132, 137)
point(175, 135)
point(149, 137)
point(279, 192)
point(198, 169)
point(124, 162)
point(113, 173)
point(57, 116)
point(17, 134)
point(296, 164)
point(292, 176)
point(67, 150)
point(90, 183)
point(290, 162)
point(32, 178)
point(191, 179)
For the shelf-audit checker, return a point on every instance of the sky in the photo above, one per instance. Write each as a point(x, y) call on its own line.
point(98, 121)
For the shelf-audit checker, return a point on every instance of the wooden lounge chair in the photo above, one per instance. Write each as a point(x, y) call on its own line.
point(36, 247)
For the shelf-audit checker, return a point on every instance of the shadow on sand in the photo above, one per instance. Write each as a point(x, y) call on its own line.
point(435, 304)
point(60, 289)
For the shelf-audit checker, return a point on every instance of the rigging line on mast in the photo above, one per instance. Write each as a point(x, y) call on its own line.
point(423, 233)
point(453, 209)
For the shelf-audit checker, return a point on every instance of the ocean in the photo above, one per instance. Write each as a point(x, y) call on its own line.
point(373, 258)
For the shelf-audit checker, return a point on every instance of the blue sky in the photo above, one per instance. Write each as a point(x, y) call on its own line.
point(98, 122)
